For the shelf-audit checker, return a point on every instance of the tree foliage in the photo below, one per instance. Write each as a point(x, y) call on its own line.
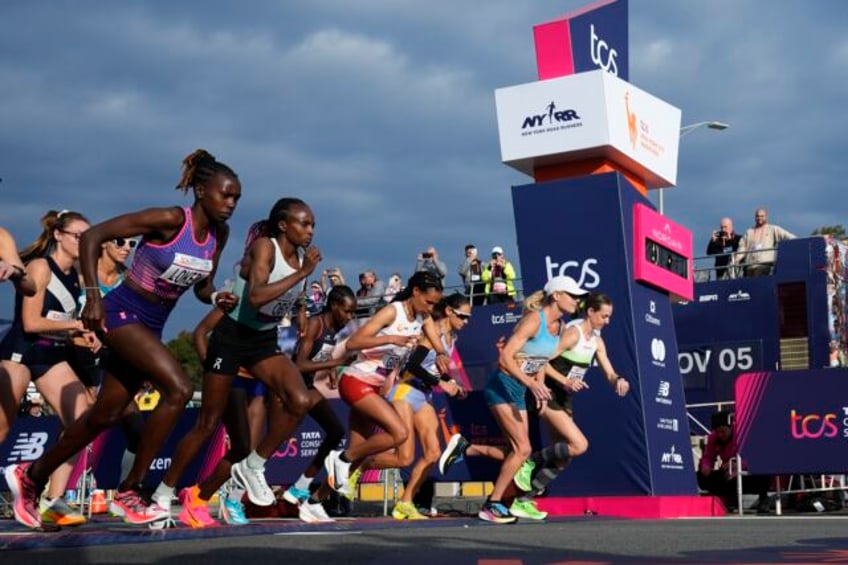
point(837, 231)
point(182, 348)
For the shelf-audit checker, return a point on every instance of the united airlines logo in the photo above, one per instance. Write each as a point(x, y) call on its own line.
point(551, 120)
point(28, 447)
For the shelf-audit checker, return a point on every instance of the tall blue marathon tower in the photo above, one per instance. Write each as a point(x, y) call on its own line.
point(595, 144)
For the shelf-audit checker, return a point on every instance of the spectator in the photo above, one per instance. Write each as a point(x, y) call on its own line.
point(499, 275)
point(315, 298)
point(721, 482)
point(757, 248)
point(471, 272)
point(330, 278)
point(36, 406)
point(370, 293)
point(724, 242)
point(429, 262)
point(394, 287)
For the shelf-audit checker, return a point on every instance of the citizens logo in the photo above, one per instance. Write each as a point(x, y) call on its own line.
point(551, 120)
point(816, 426)
point(640, 133)
point(28, 447)
point(658, 352)
point(649, 317)
point(671, 459)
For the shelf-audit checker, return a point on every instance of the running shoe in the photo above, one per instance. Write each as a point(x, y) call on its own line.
point(313, 513)
point(25, 495)
point(353, 483)
point(526, 508)
point(407, 511)
point(523, 478)
point(338, 472)
point(295, 496)
point(130, 506)
point(495, 512)
point(195, 512)
point(253, 481)
point(453, 453)
point(231, 510)
point(59, 512)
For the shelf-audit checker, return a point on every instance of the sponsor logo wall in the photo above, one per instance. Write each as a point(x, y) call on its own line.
point(630, 438)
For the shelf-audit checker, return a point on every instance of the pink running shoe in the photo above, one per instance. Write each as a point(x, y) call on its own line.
point(25, 495)
point(135, 510)
point(195, 512)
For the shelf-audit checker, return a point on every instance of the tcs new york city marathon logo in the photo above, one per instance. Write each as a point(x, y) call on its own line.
point(816, 426)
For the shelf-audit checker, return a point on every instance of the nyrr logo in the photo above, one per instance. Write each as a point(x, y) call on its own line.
point(552, 115)
point(584, 273)
point(658, 352)
point(739, 296)
point(28, 447)
point(671, 459)
point(602, 54)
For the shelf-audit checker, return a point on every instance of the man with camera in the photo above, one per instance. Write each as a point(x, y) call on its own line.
point(471, 272)
point(499, 275)
point(428, 261)
point(723, 243)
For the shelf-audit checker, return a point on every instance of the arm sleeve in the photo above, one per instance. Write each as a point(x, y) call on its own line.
point(413, 365)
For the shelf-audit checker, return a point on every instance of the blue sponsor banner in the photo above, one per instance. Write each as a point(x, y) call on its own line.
point(599, 40)
point(793, 421)
point(27, 441)
point(640, 443)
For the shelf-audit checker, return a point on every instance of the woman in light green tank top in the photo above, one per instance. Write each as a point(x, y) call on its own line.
point(579, 339)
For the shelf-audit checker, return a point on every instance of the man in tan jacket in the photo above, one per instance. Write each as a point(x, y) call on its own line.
point(757, 251)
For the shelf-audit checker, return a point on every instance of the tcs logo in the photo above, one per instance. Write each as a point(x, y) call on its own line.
point(813, 426)
point(584, 273)
point(602, 54)
point(289, 448)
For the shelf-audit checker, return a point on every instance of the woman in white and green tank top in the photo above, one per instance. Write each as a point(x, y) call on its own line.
point(565, 377)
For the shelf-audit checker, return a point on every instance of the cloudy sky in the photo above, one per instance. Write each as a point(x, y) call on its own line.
point(380, 113)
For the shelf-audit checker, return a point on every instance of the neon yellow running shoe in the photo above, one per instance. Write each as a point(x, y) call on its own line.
point(353, 484)
point(524, 476)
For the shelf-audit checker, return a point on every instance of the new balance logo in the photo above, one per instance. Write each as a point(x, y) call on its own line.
point(28, 447)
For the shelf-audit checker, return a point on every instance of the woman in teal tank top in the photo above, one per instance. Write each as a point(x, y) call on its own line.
point(534, 341)
point(582, 345)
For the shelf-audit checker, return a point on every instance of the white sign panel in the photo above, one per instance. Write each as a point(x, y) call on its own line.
point(586, 115)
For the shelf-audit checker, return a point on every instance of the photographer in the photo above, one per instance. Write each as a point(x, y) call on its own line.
point(471, 272)
point(428, 261)
point(723, 243)
point(499, 275)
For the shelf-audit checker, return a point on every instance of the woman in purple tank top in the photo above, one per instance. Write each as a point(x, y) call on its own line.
point(180, 248)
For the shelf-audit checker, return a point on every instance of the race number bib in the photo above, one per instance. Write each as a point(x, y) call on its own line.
point(186, 270)
point(57, 316)
point(324, 354)
point(531, 365)
point(576, 373)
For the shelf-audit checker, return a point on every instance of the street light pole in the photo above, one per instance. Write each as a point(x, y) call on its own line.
point(686, 130)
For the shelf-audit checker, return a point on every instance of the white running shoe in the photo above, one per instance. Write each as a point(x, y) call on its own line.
point(313, 513)
point(253, 481)
point(338, 472)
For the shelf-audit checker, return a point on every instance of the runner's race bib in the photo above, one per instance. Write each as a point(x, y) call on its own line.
point(531, 365)
point(186, 270)
point(576, 373)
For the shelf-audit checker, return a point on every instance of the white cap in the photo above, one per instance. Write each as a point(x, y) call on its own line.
point(564, 284)
point(497, 249)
